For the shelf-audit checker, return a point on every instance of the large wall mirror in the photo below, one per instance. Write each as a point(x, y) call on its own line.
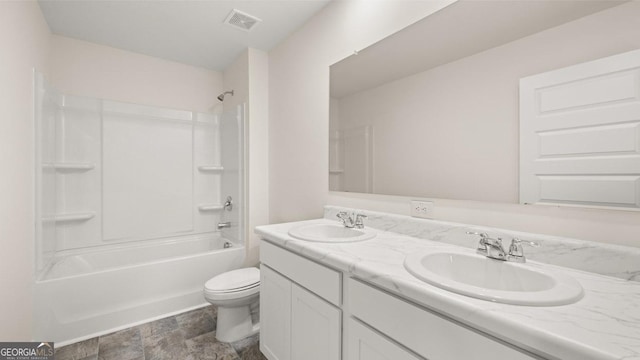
point(433, 110)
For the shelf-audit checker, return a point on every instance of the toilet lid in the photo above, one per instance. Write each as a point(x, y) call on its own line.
point(234, 280)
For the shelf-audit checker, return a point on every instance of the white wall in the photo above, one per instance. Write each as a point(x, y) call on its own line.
point(299, 96)
point(299, 113)
point(452, 132)
point(248, 77)
point(258, 139)
point(87, 69)
point(24, 44)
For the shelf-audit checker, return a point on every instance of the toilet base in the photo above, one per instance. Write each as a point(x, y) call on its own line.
point(234, 323)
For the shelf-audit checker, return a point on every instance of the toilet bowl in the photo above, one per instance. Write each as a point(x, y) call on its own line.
point(235, 293)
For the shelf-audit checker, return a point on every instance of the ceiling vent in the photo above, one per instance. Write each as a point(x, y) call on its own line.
point(241, 20)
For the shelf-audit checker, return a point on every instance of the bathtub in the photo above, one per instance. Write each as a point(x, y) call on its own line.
point(88, 293)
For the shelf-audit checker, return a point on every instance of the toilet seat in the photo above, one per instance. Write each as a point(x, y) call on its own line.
point(234, 284)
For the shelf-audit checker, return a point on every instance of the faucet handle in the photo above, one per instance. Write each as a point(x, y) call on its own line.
point(343, 215)
point(526, 242)
point(482, 246)
point(359, 224)
point(516, 253)
point(347, 219)
point(482, 235)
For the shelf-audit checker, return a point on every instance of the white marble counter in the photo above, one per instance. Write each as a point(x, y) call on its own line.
point(604, 324)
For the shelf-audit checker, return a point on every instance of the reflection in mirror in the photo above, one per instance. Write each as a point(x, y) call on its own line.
point(433, 110)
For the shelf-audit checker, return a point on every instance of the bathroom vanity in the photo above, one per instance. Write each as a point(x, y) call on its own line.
point(356, 300)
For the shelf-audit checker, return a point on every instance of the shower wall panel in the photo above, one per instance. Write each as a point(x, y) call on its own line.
point(46, 111)
point(148, 180)
point(110, 173)
point(78, 173)
point(207, 171)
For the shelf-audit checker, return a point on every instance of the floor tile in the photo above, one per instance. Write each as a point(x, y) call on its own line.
point(211, 310)
point(158, 327)
point(249, 348)
point(197, 322)
point(122, 345)
point(206, 347)
point(87, 349)
point(187, 336)
point(252, 353)
point(244, 344)
point(166, 346)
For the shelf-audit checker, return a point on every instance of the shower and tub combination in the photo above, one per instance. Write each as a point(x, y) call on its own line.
point(129, 199)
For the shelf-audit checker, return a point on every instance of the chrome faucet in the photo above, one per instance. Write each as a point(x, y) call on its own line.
point(224, 225)
point(489, 247)
point(352, 220)
point(492, 248)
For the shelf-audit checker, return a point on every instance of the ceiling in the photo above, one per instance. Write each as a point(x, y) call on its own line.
point(189, 32)
point(457, 31)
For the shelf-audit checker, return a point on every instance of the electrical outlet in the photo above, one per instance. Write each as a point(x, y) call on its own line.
point(422, 209)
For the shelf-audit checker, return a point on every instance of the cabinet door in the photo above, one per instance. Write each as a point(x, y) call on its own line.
point(275, 315)
point(315, 327)
point(366, 344)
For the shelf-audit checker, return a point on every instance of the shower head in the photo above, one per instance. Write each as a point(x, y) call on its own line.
point(221, 96)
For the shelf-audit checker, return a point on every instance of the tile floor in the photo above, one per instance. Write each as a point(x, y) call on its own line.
point(186, 336)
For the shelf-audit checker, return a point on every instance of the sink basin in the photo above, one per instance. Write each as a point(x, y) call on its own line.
point(467, 273)
point(335, 233)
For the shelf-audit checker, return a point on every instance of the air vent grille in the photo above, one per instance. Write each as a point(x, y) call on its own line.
point(241, 20)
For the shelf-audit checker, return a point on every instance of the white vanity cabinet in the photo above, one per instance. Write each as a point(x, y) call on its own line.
point(363, 343)
point(275, 315)
point(303, 313)
point(300, 316)
point(426, 333)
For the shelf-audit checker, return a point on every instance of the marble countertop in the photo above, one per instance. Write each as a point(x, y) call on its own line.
point(604, 324)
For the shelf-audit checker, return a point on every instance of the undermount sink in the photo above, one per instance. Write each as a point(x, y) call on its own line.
point(467, 273)
point(334, 233)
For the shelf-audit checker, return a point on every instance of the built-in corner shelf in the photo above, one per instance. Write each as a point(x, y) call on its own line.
point(336, 171)
point(210, 168)
point(210, 207)
point(69, 166)
point(69, 217)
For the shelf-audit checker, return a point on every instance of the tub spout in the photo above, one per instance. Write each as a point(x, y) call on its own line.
point(224, 225)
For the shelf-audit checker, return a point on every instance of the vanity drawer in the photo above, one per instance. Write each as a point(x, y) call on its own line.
point(366, 344)
point(319, 279)
point(428, 334)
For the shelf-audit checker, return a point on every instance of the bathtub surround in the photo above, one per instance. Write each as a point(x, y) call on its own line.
point(604, 324)
point(124, 193)
point(98, 163)
point(185, 336)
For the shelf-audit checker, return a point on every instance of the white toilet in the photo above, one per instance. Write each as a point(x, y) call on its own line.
point(235, 293)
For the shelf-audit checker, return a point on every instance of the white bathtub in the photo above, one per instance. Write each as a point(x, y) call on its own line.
point(83, 295)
